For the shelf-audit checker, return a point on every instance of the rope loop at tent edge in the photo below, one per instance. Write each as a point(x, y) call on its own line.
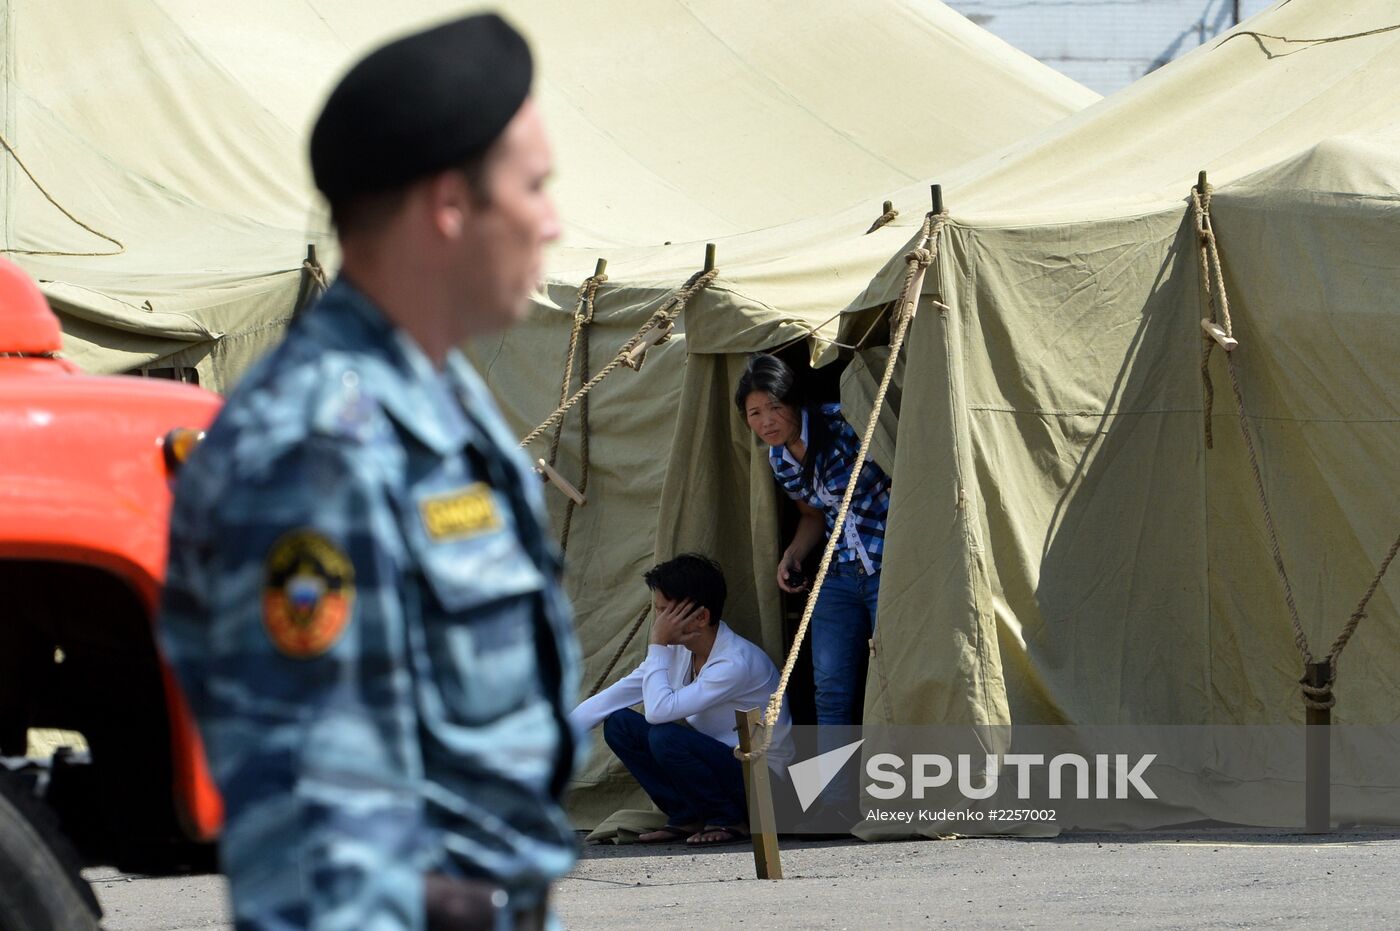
point(1317, 697)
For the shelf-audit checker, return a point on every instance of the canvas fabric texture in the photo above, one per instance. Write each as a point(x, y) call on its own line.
point(153, 126)
point(1061, 547)
point(191, 152)
point(1068, 550)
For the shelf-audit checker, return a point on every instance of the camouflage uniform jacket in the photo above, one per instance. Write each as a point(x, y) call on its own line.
point(366, 615)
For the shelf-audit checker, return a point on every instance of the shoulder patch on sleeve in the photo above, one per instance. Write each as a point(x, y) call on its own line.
point(308, 593)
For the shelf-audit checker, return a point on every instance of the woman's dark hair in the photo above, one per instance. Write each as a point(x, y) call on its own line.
point(690, 577)
point(772, 376)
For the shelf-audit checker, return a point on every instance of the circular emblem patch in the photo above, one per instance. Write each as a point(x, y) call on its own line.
point(308, 591)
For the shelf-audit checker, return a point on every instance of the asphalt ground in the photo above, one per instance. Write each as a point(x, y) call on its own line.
point(1217, 879)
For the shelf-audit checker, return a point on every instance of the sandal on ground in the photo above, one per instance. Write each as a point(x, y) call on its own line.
point(667, 834)
point(716, 835)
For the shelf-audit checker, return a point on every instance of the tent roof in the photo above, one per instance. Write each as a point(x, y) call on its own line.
point(179, 132)
point(1257, 96)
point(1365, 165)
point(1252, 111)
point(690, 118)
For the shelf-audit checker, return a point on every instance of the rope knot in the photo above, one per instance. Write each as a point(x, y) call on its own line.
point(1318, 698)
point(632, 351)
point(887, 217)
point(317, 273)
point(583, 313)
point(654, 335)
point(698, 282)
point(765, 738)
point(919, 256)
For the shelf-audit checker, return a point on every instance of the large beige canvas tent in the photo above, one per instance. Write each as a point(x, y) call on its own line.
point(1116, 564)
point(1101, 565)
point(136, 186)
point(1063, 548)
point(155, 180)
point(165, 205)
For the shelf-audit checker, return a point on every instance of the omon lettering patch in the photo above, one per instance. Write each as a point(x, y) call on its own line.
point(458, 514)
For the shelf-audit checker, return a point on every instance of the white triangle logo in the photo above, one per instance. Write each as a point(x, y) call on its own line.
point(811, 777)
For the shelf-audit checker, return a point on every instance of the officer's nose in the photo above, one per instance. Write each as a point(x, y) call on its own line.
point(550, 228)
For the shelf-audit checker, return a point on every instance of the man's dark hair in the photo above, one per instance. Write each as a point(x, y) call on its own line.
point(365, 211)
point(690, 577)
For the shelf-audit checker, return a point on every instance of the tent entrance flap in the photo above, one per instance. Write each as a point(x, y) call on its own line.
point(919, 258)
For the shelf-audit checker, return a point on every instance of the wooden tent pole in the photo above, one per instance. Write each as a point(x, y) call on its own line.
point(759, 789)
point(1318, 785)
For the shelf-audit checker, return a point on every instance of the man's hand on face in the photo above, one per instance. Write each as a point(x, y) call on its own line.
point(676, 623)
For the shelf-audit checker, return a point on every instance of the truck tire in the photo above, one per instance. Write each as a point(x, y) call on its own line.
point(41, 888)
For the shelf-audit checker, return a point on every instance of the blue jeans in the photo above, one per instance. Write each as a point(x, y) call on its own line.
point(842, 625)
point(690, 776)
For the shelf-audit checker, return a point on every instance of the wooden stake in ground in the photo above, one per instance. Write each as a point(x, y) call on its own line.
point(759, 789)
point(1318, 755)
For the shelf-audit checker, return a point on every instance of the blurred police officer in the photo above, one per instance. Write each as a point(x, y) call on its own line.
point(362, 603)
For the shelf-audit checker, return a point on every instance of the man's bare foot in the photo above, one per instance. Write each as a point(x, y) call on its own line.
point(715, 835)
point(671, 833)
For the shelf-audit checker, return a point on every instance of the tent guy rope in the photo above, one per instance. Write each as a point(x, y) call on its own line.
point(121, 247)
point(1316, 695)
point(654, 331)
point(887, 217)
point(578, 349)
point(617, 655)
point(918, 259)
point(1324, 40)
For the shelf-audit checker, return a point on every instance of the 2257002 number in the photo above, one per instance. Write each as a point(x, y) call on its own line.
point(1021, 814)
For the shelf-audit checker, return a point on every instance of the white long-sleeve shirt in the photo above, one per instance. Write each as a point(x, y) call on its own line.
point(737, 676)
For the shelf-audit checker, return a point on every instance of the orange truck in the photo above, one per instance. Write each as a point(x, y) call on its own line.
point(87, 466)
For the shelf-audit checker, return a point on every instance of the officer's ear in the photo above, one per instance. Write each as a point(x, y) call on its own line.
point(452, 203)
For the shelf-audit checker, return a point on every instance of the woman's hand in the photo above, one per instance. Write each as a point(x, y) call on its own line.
point(790, 577)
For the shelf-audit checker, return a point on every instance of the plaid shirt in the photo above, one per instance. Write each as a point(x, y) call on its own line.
point(863, 537)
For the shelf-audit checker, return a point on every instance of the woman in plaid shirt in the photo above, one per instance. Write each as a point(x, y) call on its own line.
point(812, 450)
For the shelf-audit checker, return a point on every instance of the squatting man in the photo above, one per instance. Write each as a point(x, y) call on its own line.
point(696, 674)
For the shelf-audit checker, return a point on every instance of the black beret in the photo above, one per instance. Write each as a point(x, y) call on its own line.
point(420, 104)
